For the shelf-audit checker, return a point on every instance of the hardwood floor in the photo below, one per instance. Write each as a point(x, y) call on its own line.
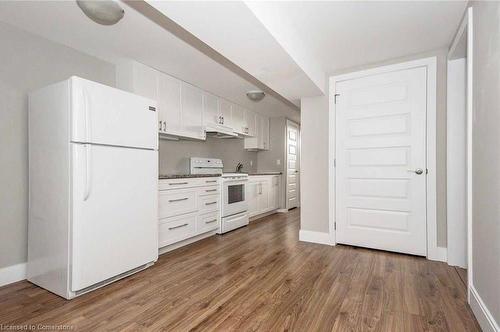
point(260, 278)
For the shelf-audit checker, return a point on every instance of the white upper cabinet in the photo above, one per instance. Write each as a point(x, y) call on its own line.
point(250, 119)
point(169, 104)
point(211, 115)
point(264, 137)
point(180, 105)
point(139, 79)
point(261, 139)
point(225, 110)
point(192, 111)
point(238, 120)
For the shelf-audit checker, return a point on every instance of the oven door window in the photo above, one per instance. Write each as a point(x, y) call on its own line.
point(235, 193)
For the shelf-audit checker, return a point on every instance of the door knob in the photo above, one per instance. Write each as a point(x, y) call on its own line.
point(417, 171)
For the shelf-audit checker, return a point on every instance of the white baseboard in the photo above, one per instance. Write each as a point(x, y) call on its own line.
point(314, 237)
point(183, 243)
point(439, 254)
point(282, 210)
point(480, 310)
point(12, 274)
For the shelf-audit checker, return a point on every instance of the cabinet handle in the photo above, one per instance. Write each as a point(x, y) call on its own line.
point(210, 190)
point(160, 125)
point(211, 181)
point(211, 221)
point(211, 203)
point(177, 183)
point(183, 225)
point(177, 200)
point(164, 126)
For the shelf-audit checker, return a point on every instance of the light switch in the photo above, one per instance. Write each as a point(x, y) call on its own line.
point(251, 163)
point(278, 161)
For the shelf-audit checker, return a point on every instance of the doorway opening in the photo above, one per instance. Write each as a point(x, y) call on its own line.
point(459, 149)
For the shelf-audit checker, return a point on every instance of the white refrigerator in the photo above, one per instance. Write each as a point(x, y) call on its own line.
point(93, 194)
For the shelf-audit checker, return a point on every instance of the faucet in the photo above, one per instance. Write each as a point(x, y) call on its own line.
point(239, 167)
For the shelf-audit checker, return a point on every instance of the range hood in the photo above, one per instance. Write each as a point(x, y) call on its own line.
point(220, 131)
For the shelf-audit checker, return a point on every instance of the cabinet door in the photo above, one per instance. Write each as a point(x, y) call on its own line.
point(169, 103)
point(252, 190)
point(141, 80)
point(238, 119)
point(263, 197)
point(265, 133)
point(210, 110)
point(274, 195)
point(225, 109)
point(145, 81)
point(250, 122)
point(191, 111)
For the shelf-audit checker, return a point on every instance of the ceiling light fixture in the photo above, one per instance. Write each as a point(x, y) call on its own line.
point(105, 12)
point(256, 95)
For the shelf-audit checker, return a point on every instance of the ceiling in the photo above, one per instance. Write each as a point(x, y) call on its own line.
point(293, 46)
point(234, 31)
point(138, 38)
point(228, 48)
point(348, 34)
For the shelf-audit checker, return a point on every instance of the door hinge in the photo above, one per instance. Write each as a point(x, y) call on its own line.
point(426, 171)
point(335, 98)
point(335, 162)
point(335, 226)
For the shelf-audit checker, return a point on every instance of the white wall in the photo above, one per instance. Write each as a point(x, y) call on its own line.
point(457, 163)
point(314, 148)
point(486, 155)
point(314, 199)
point(28, 62)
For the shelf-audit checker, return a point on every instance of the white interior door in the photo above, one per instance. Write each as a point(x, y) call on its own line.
point(381, 164)
point(292, 165)
point(114, 211)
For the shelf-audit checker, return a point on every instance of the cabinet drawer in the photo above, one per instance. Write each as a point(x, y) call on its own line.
point(176, 229)
point(173, 203)
point(212, 190)
point(208, 203)
point(167, 184)
point(207, 222)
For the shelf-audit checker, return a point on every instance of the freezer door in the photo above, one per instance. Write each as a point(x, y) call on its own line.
point(104, 115)
point(114, 212)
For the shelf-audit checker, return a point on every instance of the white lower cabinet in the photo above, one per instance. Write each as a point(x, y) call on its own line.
point(275, 197)
point(207, 222)
point(176, 229)
point(187, 208)
point(263, 194)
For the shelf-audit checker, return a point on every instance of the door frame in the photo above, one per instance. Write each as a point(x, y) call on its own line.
point(287, 121)
point(465, 30)
point(430, 63)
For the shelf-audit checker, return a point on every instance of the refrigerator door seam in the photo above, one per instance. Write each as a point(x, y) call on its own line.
point(115, 146)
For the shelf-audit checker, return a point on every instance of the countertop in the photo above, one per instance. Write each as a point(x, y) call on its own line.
point(186, 176)
point(266, 173)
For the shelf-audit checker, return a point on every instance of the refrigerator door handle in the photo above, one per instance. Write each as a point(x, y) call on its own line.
point(88, 174)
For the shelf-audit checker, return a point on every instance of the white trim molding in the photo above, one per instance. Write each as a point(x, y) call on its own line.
point(433, 251)
point(480, 310)
point(314, 237)
point(13, 273)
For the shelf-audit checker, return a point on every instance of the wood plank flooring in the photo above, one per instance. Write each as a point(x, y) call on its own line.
point(260, 278)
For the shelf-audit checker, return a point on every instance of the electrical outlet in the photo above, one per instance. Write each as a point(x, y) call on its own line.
point(278, 161)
